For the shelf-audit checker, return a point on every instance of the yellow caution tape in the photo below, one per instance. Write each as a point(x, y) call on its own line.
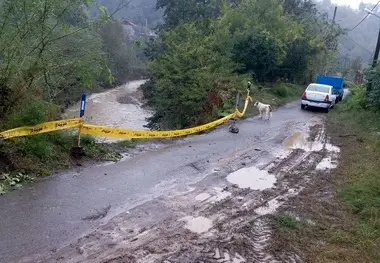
point(239, 114)
point(41, 128)
point(116, 132)
point(129, 134)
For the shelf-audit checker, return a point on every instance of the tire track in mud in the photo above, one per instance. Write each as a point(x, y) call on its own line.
point(249, 242)
point(241, 218)
point(256, 236)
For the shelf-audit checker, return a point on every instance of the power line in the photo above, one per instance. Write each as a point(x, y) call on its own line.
point(370, 52)
point(364, 18)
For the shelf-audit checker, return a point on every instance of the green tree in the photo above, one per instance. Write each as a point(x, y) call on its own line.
point(271, 39)
point(45, 50)
point(185, 74)
point(256, 53)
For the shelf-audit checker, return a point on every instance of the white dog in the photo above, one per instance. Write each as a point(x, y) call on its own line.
point(264, 109)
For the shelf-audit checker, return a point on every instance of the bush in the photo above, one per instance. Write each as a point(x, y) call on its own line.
point(373, 87)
point(287, 221)
point(32, 113)
point(281, 92)
point(357, 98)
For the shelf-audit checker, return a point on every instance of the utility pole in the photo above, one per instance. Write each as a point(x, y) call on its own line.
point(374, 63)
point(376, 57)
point(336, 9)
point(326, 53)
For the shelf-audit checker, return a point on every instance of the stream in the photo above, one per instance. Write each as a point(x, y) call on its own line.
point(120, 107)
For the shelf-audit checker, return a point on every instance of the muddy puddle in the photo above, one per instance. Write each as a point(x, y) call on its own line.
point(300, 140)
point(253, 178)
point(327, 164)
point(197, 225)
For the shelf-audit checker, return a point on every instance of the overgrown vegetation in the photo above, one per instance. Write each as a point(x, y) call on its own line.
point(206, 52)
point(11, 182)
point(51, 52)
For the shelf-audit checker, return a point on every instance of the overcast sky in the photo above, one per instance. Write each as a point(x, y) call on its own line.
point(353, 3)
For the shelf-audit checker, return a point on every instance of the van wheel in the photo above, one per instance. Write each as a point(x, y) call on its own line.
point(340, 98)
point(327, 110)
point(337, 100)
point(303, 106)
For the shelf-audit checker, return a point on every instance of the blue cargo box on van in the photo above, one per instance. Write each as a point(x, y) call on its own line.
point(336, 82)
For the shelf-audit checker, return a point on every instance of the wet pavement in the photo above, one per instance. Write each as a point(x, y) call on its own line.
point(46, 216)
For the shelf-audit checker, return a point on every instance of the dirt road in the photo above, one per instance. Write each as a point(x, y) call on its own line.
point(205, 198)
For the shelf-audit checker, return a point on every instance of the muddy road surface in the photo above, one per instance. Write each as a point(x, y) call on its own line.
point(206, 198)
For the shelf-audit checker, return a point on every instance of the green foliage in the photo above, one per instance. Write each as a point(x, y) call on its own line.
point(287, 221)
point(45, 52)
point(257, 53)
point(121, 58)
point(373, 87)
point(51, 52)
point(15, 181)
point(33, 113)
point(204, 42)
point(177, 12)
point(186, 73)
point(363, 195)
point(357, 100)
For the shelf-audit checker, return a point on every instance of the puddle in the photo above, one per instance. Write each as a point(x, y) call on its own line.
point(299, 140)
point(253, 178)
point(326, 164)
point(197, 225)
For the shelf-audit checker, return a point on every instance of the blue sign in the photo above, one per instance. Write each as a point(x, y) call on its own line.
point(82, 105)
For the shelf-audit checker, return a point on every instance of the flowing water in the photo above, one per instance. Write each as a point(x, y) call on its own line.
point(119, 107)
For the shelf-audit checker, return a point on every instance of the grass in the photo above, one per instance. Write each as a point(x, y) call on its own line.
point(286, 222)
point(358, 187)
point(40, 155)
point(360, 175)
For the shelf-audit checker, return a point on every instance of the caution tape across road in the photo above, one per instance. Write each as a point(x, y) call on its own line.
point(110, 132)
point(41, 128)
point(120, 133)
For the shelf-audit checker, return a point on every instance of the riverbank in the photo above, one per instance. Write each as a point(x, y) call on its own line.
point(335, 219)
point(24, 158)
